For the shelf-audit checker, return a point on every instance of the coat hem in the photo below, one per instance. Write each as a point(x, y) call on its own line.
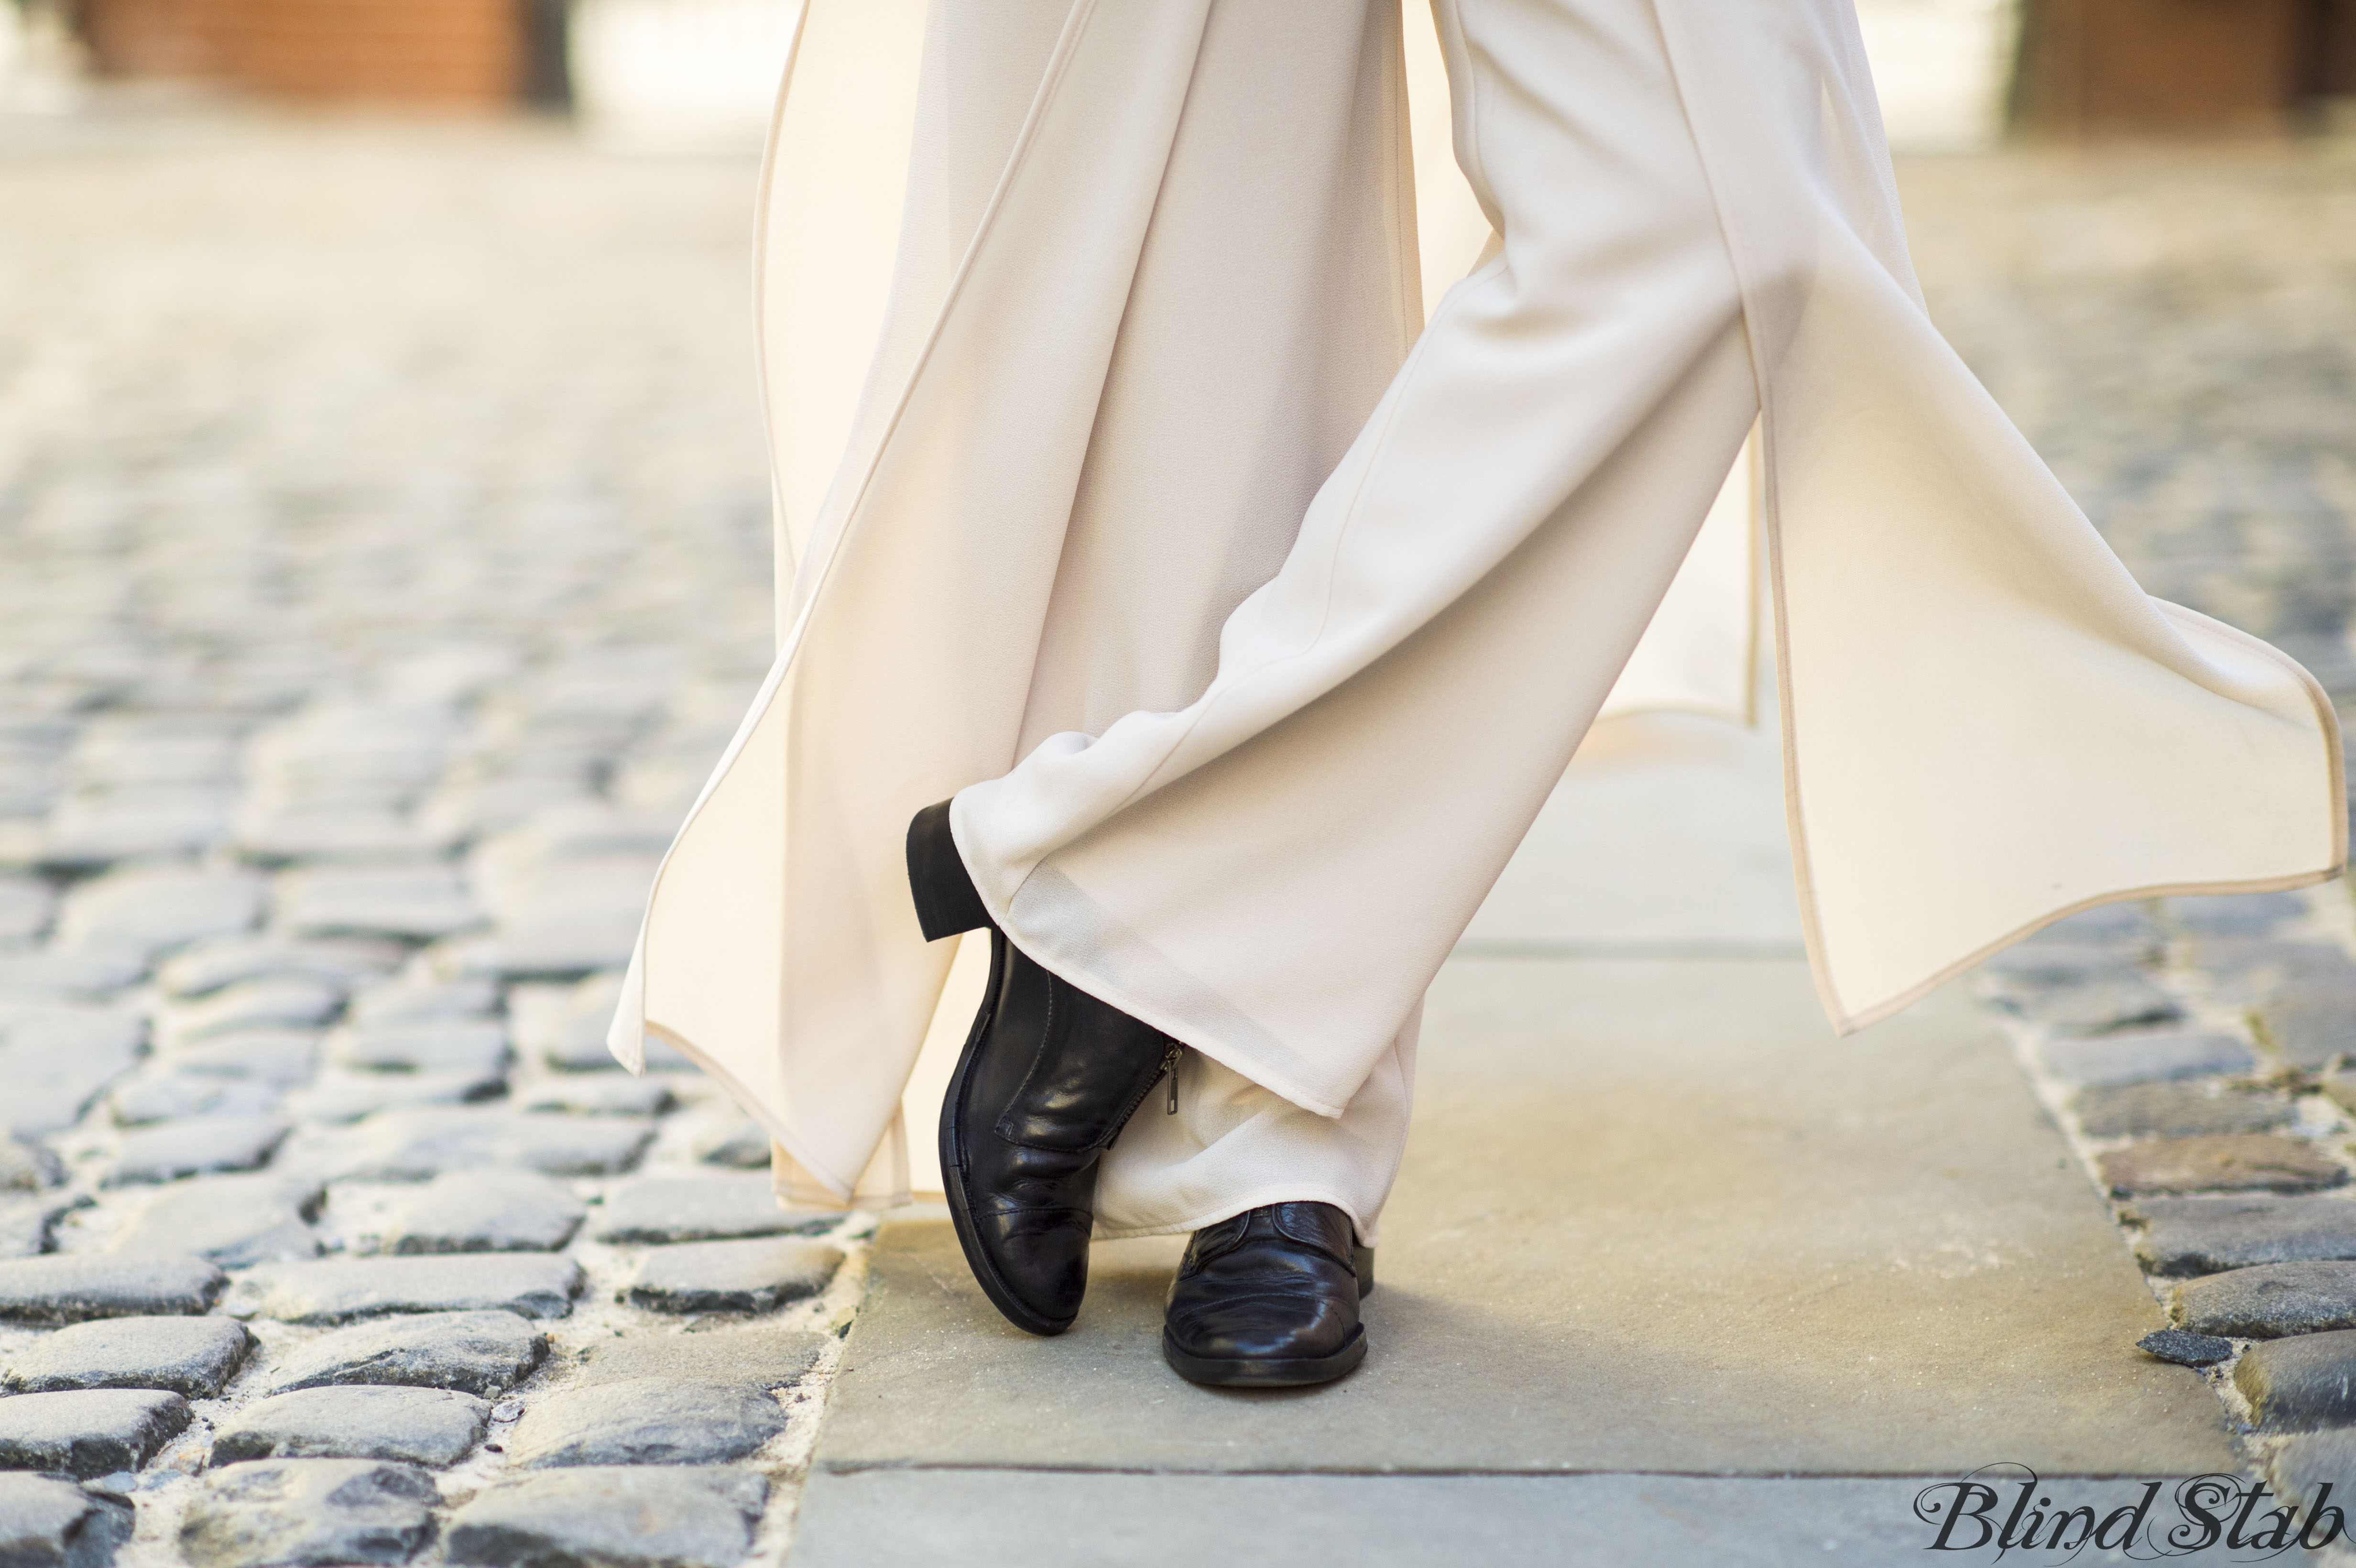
point(2328, 720)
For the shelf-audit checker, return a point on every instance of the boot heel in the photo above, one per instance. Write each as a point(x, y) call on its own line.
point(1361, 1261)
point(946, 901)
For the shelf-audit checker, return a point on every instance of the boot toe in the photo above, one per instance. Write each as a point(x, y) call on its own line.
point(1262, 1327)
point(1040, 1258)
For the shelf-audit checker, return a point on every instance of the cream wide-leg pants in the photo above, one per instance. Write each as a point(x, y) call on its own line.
point(1391, 707)
point(1120, 498)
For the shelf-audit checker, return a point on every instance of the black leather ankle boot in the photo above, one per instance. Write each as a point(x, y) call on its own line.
point(1269, 1299)
point(1048, 1078)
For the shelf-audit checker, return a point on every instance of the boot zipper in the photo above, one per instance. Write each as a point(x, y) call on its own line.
point(1169, 1059)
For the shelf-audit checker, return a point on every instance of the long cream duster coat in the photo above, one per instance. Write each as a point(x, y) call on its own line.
point(1988, 724)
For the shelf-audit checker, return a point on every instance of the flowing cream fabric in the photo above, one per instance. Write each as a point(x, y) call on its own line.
point(1264, 838)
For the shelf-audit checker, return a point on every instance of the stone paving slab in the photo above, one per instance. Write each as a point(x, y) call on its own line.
point(1652, 1218)
point(998, 1519)
point(1611, 861)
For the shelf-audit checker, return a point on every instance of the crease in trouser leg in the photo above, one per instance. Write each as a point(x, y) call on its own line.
point(1233, 1144)
point(1612, 331)
point(1237, 1143)
point(1272, 871)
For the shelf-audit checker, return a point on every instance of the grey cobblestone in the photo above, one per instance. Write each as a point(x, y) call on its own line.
point(2183, 1236)
point(2301, 1466)
point(664, 1209)
point(208, 967)
point(27, 1224)
point(2245, 972)
point(163, 1094)
point(731, 1276)
point(647, 1421)
point(56, 1057)
point(275, 1056)
point(435, 1427)
point(2186, 1348)
point(488, 1211)
point(476, 1352)
point(440, 1045)
point(421, 1001)
point(761, 1357)
point(305, 1512)
point(2223, 1162)
point(337, 1290)
point(28, 904)
point(613, 1517)
point(192, 1357)
point(269, 1002)
point(412, 1144)
point(49, 1523)
point(743, 1144)
point(196, 1145)
point(235, 1221)
point(2301, 1384)
point(2176, 1110)
point(2102, 1006)
point(154, 911)
point(2270, 1301)
point(2146, 1058)
point(28, 1168)
point(336, 1096)
point(422, 902)
point(87, 1432)
point(75, 1286)
point(600, 1095)
point(70, 974)
point(2310, 1031)
point(2233, 914)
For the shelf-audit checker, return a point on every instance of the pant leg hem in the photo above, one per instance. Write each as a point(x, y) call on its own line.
point(1260, 1197)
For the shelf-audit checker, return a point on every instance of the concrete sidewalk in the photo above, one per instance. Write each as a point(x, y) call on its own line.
point(1671, 1275)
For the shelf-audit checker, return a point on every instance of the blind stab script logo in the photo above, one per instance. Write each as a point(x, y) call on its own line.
point(2009, 1508)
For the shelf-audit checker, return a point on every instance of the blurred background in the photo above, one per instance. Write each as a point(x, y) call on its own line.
point(698, 75)
point(385, 516)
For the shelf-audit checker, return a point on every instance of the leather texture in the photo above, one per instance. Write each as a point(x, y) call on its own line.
point(1048, 1078)
point(1268, 1297)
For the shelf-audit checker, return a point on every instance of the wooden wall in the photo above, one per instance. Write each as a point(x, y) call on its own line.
point(2101, 68)
point(404, 51)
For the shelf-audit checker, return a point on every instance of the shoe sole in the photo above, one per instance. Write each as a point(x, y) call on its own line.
point(985, 1273)
point(1264, 1372)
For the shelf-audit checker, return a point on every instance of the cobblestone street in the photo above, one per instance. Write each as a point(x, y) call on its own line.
point(387, 523)
point(386, 530)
